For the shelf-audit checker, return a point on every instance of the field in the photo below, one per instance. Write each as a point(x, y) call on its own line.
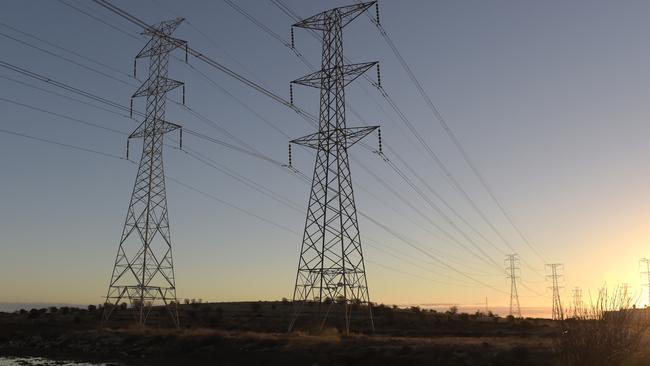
point(255, 333)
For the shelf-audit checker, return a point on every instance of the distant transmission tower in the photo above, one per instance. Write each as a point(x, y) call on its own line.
point(331, 267)
point(557, 313)
point(644, 263)
point(577, 301)
point(144, 270)
point(626, 294)
point(512, 269)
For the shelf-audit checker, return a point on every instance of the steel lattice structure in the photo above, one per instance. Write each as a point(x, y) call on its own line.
point(577, 301)
point(557, 313)
point(646, 271)
point(512, 269)
point(331, 267)
point(144, 270)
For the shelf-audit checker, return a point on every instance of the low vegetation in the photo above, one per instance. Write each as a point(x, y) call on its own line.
point(607, 331)
point(256, 333)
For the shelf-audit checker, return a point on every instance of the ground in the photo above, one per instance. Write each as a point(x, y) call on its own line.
point(255, 333)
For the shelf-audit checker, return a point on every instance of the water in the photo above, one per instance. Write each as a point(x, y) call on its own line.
point(38, 361)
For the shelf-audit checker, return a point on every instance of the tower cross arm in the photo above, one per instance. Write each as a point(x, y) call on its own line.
point(162, 128)
point(350, 73)
point(356, 134)
point(351, 135)
point(162, 45)
point(346, 13)
point(158, 85)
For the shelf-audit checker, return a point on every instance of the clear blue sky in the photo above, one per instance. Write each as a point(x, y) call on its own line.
point(548, 98)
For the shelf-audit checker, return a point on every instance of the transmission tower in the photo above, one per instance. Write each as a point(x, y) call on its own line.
point(644, 263)
point(625, 294)
point(331, 267)
point(577, 301)
point(512, 270)
point(144, 271)
point(557, 313)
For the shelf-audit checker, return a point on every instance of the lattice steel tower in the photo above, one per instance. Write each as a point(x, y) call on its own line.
point(557, 312)
point(144, 269)
point(645, 266)
point(512, 270)
point(577, 301)
point(331, 267)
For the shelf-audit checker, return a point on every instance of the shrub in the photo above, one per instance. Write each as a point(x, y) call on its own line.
point(453, 310)
point(33, 314)
point(604, 333)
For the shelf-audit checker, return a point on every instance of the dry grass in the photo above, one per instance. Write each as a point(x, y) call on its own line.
point(607, 332)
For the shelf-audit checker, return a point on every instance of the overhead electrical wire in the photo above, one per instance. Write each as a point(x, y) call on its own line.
point(258, 90)
point(106, 101)
point(401, 174)
point(452, 136)
point(423, 143)
point(392, 164)
point(211, 62)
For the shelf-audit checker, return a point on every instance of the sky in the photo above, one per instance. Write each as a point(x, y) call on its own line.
point(548, 99)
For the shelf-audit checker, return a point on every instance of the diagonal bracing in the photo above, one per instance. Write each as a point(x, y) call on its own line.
point(143, 273)
point(331, 268)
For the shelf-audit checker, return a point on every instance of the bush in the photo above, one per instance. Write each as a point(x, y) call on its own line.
point(33, 314)
point(605, 333)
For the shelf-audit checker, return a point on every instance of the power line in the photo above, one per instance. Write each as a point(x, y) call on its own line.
point(100, 63)
point(279, 38)
point(450, 132)
point(75, 8)
point(393, 167)
point(208, 195)
point(438, 161)
point(66, 59)
point(52, 142)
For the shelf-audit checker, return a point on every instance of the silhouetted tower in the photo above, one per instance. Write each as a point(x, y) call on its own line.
point(644, 263)
point(331, 267)
point(512, 270)
point(144, 270)
point(626, 294)
point(557, 312)
point(577, 300)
